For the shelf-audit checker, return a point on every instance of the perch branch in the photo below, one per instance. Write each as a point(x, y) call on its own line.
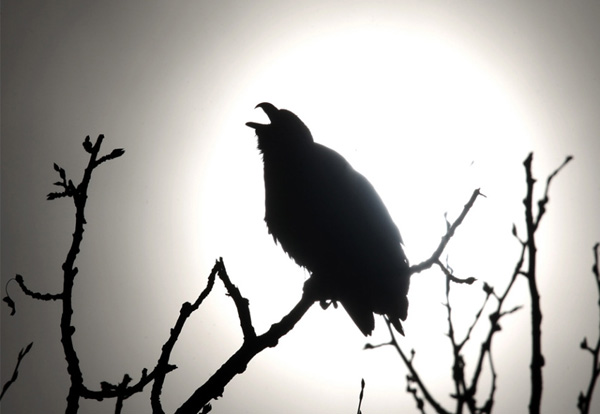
point(237, 363)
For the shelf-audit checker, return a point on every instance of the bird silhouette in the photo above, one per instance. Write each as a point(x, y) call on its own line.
point(330, 220)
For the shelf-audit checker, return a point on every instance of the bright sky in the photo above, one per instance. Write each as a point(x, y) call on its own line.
point(426, 99)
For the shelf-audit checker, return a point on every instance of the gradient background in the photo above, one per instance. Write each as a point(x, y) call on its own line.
point(429, 100)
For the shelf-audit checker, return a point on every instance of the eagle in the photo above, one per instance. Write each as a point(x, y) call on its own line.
point(330, 220)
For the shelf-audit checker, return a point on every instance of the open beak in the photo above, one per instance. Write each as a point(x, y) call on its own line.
point(269, 109)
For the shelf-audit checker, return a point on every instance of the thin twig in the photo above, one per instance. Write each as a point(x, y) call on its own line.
point(15, 373)
point(163, 367)
point(426, 264)
point(241, 304)
point(462, 393)
point(360, 397)
point(433, 259)
point(120, 388)
point(489, 404)
point(495, 317)
point(544, 201)
point(36, 295)
point(415, 393)
point(413, 372)
point(458, 367)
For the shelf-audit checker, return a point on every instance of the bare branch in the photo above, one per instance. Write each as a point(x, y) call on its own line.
point(458, 367)
point(544, 201)
point(237, 363)
point(495, 317)
point(415, 393)
point(116, 153)
point(584, 401)
point(486, 288)
point(69, 272)
point(360, 397)
point(489, 404)
point(36, 295)
point(79, 195)
point(414, 376)
point(162, 367)
point(241, 303)
point(434, 259)
point(15, 373)
point(451, 228)
point(122, 386)
point(452, 278)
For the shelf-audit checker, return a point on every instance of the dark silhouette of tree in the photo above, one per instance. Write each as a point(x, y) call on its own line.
point(465, 388)
point(253, 343)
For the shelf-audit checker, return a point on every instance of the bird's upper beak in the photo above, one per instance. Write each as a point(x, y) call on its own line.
point(269, 109)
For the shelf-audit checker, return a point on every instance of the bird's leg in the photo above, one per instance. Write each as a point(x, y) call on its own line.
point(326, 303)
point(319, 290)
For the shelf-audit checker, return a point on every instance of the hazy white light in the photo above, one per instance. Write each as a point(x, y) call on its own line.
point(423, 121)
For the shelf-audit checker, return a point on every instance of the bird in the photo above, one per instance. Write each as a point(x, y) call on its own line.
point(330, 220)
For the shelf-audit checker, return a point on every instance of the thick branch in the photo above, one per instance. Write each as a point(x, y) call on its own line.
point(237, 363)
point(532, 222)
point(69, 273)
point(537, 359)
point(79, 195)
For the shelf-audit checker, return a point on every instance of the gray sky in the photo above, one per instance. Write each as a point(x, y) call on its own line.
point(443, 97)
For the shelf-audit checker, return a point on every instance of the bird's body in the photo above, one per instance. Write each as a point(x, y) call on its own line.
point(331, 221)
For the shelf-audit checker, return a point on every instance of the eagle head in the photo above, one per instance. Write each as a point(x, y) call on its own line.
point(283, 124)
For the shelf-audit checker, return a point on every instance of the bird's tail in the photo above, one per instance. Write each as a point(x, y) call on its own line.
point(361, 315)
point(396, 324)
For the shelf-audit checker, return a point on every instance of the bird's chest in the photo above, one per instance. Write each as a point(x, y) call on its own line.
point(290, 194)
point(293, 205)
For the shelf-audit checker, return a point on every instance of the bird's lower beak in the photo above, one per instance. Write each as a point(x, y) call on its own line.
point(255, 125)
point(269, 109)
